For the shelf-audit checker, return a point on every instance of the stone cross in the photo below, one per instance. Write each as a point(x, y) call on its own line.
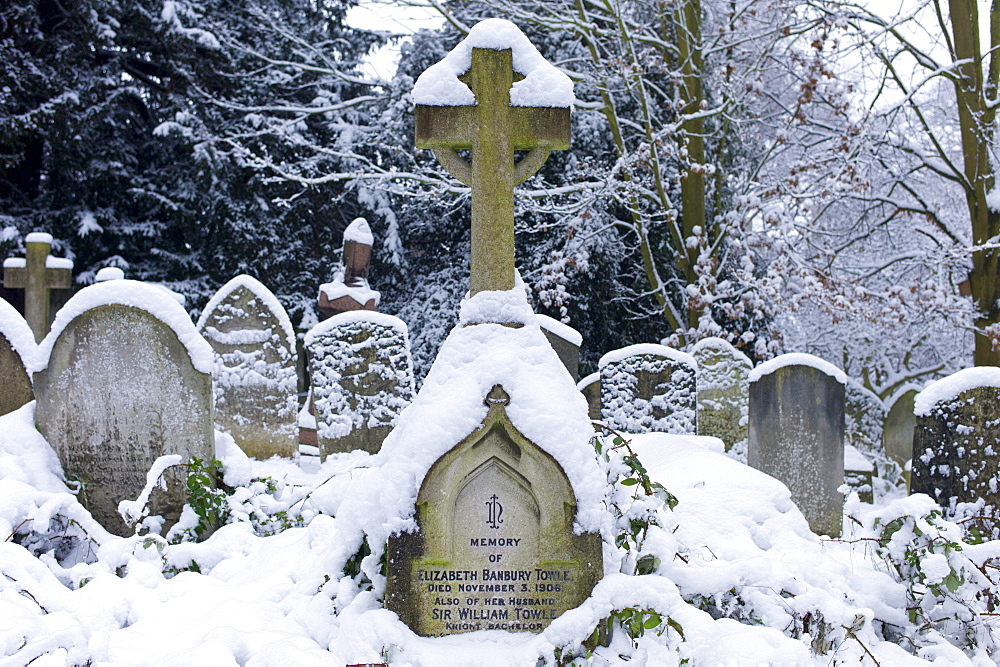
point(36, 276)
point(493, 130)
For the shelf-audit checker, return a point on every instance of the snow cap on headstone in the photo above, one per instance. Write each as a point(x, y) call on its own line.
point(951, 387)
point(16, 331)
point(797, 359)
point(543, 84)
point(109, 273)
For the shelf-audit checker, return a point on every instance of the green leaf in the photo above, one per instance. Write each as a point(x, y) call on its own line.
point(629, 481)
point(652, 621)
point(676, 626)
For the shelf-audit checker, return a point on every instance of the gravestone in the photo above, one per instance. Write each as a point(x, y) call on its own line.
point(127, 380)
point(955, 450)
point(649, 387)
point(496, 544)
point(859, 473)
point(254, 377)
point(17, 359)
point(496, 548)
point(900, 423)
point(362, 378)
point(37, 274)
point(565, 340)
point(590, 387)
point(796, 434)
point(723, 392)
point(349, 289)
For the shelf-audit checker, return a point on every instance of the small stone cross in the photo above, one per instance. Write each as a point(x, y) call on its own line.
point(493, 130)
point(36, 278)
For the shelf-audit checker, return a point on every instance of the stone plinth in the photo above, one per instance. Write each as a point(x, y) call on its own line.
point(647, 388)
point(495, 547)
point(120, 390)
point(254, 374)
point(796, 434)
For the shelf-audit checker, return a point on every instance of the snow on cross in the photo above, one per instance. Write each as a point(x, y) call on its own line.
point(521, 103)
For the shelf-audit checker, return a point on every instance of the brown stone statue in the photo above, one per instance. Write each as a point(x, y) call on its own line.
point(349, 289)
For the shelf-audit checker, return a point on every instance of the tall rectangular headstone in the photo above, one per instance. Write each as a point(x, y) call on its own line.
point(127, 380)
point(362, 378)
point(723, 392)
point(254, 376)
point(17, 359)
point(900, 423)
point(649, 387)
point(796, 434)
point(565, 340)
point(956, 444)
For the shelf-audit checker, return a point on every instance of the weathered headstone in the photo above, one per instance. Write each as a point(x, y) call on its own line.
point(37, 274)
point(565, 340)
point(17, 359)
point(349, 289)
point(649, 387)
point(496, 545)
point(590, 387)
point(899, 425)
point(496, 548)
point(362, 378)
point(796, 434)
point(255, 376)
point(127, 380)
point(723, 392)
point(955, 444)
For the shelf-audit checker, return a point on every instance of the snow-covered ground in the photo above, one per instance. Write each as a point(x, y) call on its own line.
point(739, 578)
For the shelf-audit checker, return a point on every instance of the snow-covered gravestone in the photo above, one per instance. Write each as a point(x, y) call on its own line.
point(362, 378)
point(255, 376)
point(495, 447)
point(900, 423)
point(17, 359)
point(956, 444)
point(649, 387)
point(126, 380)
point(565, 340)
point(796, 434)
point(723, 398)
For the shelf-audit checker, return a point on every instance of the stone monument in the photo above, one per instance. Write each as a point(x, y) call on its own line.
point(649, 387)
point(127, 379)
point(254, 377)
point(723, 391)
point(349, 289)
point(955, 457)
point(565, 340)
point(499, 543)
point(362, 378)
point(900, 423)
point(37, 274)
point(590, 387)
point(17, 359)
point(796, 434)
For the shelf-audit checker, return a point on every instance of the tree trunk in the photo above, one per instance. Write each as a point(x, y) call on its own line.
point(976, 122)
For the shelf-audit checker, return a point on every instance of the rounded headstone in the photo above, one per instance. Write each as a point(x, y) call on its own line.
point(649, 387)
point(127, 381)
point(900, 423)
point(723, 389)
point(17, 354)
point(255, 368)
